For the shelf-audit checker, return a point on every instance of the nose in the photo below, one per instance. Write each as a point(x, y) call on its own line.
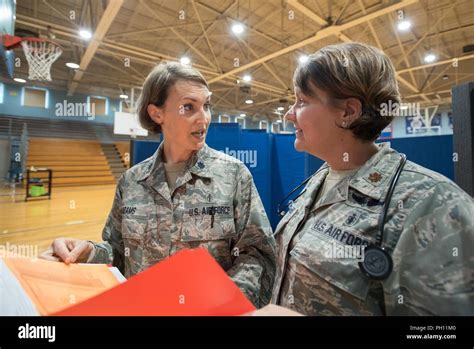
point(203, 116)
point(290, 114)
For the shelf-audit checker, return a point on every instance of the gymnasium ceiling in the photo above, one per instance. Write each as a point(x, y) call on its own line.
point(277, 32)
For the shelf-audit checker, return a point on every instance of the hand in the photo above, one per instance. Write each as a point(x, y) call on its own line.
point(68, 250)
point(274, 310)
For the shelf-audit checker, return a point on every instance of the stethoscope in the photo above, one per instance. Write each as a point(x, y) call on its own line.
point(377, 263)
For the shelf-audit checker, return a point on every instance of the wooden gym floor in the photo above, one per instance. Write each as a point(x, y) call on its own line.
point(78, 212)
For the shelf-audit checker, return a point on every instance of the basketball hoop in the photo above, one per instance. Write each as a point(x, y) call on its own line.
point(40, 54)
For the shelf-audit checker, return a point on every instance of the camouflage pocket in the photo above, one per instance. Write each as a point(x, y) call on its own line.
point(322, 258)
point(207, 228)
point(213, 234)
point(133, 233)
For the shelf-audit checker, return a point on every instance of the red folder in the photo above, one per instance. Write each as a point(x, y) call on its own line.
point(190, 283)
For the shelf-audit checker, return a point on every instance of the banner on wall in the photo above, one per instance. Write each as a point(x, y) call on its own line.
point(436, 121)
point(418, 123)
point(412, 122)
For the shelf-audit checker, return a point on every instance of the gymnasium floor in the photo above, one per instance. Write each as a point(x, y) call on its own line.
point(78, 212)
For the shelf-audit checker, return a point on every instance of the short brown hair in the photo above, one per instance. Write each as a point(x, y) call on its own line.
point(353, 70)
point(156, 89)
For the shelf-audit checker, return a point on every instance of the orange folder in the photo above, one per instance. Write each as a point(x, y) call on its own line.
point(190, 283)
point(53, 286)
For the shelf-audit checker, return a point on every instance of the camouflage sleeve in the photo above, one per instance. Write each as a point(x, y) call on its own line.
point(110, 251)
point(434, 258)
point(253, 251)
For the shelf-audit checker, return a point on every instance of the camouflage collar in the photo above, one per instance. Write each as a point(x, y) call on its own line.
point(373, 178)
point(198, 164)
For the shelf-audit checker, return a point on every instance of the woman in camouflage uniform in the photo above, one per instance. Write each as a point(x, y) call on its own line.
point(186, 195)
point(346, 94)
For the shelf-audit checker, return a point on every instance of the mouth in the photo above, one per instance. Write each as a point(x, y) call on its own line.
point(200, 135)
point(298, 132)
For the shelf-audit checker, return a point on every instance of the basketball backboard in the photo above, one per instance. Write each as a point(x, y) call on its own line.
point(7, 26)
point(127, 124)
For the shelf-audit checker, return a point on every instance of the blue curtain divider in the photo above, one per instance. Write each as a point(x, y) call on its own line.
point(256, 147)
point(288, 171)
point(277, 167)
point(432, 152)
point(142, 150)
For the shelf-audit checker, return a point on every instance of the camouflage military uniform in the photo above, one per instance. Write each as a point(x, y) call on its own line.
point(215, 205)
point(429, 233)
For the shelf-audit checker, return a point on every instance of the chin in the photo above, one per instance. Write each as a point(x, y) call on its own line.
point(299, 146)
point(199, 145)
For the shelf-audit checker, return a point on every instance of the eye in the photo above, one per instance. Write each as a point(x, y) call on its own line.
point(207, 106)
point(187, 107)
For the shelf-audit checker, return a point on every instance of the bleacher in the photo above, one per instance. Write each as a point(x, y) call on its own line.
point(79, 153)
point(47, 128)
point(74, 162)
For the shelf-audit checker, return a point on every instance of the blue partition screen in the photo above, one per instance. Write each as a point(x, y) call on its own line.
point(277, 167)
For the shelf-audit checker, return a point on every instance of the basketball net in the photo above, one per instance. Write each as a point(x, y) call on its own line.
point(40, 56)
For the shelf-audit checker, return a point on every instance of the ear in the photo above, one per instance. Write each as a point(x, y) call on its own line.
point(155, 113)
point(352, 111)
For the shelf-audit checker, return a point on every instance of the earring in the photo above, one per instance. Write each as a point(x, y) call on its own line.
point(344, 124)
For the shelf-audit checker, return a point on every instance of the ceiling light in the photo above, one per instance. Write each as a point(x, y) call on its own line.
point(85, 34)
point(72, 65)
point(248, 101)
point(20, 80)
point(243, 115)
point(247, 78)
point(429, 58)
point(185, 60)
point(123, 96)
point(303, 58)
point(279, 121)
point(238, 28)
point(404, 25)
point(281, 108)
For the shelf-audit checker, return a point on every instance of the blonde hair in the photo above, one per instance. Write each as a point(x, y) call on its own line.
point(156, 89)
point(353, 70)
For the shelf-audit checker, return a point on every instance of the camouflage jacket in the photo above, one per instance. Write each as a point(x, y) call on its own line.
point(429, 233)
point(215, 205)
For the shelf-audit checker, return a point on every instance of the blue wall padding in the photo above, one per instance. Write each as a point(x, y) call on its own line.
point(433, 152)
point(279, 167)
